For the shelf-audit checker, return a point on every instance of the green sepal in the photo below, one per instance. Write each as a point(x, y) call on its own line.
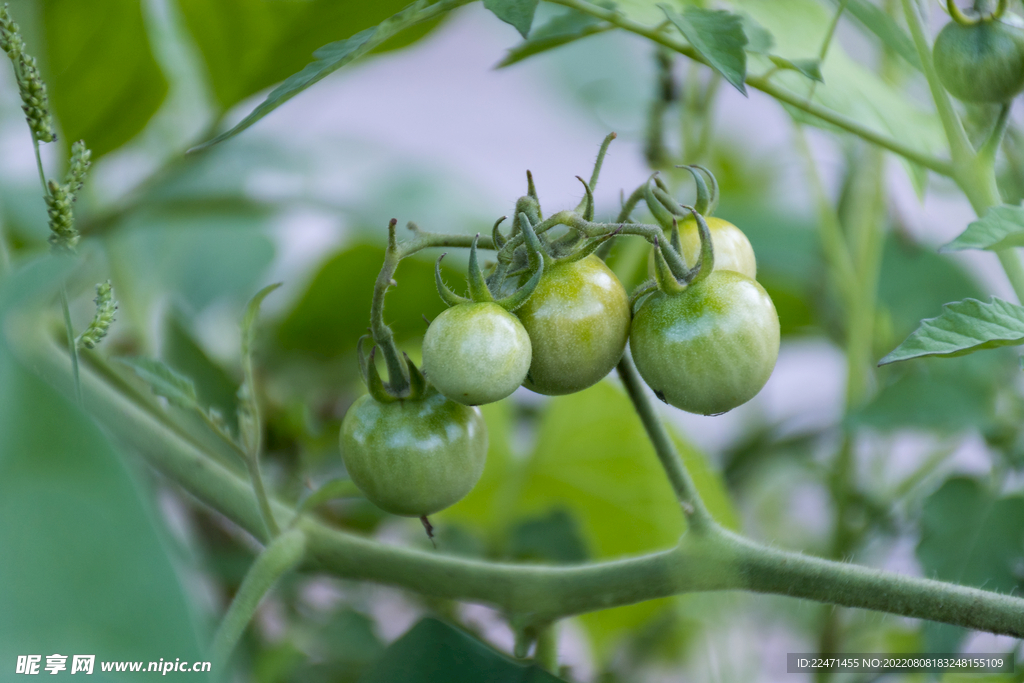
point(587, 203)
point(447, 295)
point(536, 258)
point(667, 281)
point(657, 209)
point(478, 291)
point(378, 390)
point(529, 204)
point(703, 202)
point(676, 243)
point(706, 263)
point(639, 295)
point(496, 236)
point(588, 248)
point(418, 386)
point(676, 265)
point(713, 182)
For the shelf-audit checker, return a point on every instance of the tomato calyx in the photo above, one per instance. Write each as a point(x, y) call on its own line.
point(382, 391)
point(976, 17)
point(478, 286)
point(670, 270)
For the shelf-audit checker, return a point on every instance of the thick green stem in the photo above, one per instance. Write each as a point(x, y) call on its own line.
point(764, 84)
point(716, 560)
point(282, 555)
point(697, 515)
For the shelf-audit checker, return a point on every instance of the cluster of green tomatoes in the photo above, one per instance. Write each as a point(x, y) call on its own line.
point(980, 58)
point(552, 317)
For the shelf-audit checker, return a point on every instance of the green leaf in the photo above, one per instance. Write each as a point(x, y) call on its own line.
point(759, 39)
point(164, 381)
point(963, 327)
point(560, 30)
point(333, 56)
point(1000, 228)
point(554, 537)
point(249, 45)
point(944, 395)
point(808, 67)
point(198, 257)
point(434, 652)
point(85, 567)
point(874, 19)
point(518, 13)
point(972, 537)
point(215, 388)
point(104, 82)
point(718, 37)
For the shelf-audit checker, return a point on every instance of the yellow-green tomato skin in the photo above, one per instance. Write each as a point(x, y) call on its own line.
point(709, 348)
point(732, 248)
point(413, 457)
point(476, 353)
point(578, 322)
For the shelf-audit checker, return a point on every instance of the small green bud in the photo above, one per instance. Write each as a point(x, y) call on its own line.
point(63, 234)
point(106, 312)
point(35, 103)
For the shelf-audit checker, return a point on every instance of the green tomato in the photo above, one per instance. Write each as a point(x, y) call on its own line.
point(732, 248)
point(476, 353)
point(710, 347)
point(983, 62)
point(578, 322)
point(413, 457)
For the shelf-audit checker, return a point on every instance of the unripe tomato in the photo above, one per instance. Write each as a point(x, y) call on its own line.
point(413, 457)
point(982, 62)
point(476, 353)
point(710, 347)
point(578, 322)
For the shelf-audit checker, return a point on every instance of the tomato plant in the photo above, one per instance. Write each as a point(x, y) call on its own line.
point(583, 505)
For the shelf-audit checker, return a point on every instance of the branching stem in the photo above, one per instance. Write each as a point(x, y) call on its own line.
point(283, 554)
point(712, 560)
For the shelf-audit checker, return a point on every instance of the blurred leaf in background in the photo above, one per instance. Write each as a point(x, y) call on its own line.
point(104, 82)
point(249, 45)
point(432, 652)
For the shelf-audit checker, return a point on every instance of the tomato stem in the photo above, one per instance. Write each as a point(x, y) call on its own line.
point(714, 559)
point(282, 555)
point(697, 515)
